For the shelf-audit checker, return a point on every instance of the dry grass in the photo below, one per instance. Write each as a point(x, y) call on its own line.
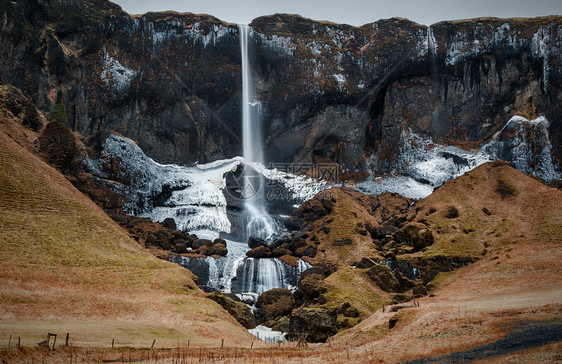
point(343, 287)
point(65, 266)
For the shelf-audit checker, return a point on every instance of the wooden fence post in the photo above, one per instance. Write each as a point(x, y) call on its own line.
point(67, 337)
point(153, 342)
point(222, 343)
point(10, 341)
point(19, 342)
point(112, 343)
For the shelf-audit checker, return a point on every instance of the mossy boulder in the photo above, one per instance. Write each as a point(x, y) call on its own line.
point(259, 252)
point(312, 285)
point(383, 277)
point(239, 310)
point(282, 324)
point(275, 303)
point(314, 324)
point(416, 235)
point(419, 291)
point(58, 146)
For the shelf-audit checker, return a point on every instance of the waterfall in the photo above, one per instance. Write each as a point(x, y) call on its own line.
point(431, 49)
point(258, 224)
point(239, 274)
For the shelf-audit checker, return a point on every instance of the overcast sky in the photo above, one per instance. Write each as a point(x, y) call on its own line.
point(354, 12)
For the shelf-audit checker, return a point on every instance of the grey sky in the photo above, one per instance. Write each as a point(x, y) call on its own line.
point(355, 12)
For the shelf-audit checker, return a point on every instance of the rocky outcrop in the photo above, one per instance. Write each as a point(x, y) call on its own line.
point(383, 277)
point(239, 310)
point(144, 77)
point(312, 324)
point(333, 227)
point(275, 303)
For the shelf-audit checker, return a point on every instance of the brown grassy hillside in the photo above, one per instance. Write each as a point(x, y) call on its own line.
point(65, 266)
point(515, 281)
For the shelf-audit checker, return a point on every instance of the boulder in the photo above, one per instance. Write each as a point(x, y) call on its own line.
point(293, 223)
point(202, 242)
point(219, 241)
point(180, 248)
point(256, 242)
point(275, 303)
point(315, 324)
point(218, 249)
point(312, 286)
point(282, 324)
point(306, 251)
point(452, 212)
point(170, 223)
point(381, 232)
point(416, 235)
point(419, 291)
point(365, 263)
point(259, 252)
point(239, 310)
point(383, 277)
point(279, 252)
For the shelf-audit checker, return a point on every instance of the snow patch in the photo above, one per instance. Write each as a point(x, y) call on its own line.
point(267, 334)
point(424, 165)
point(115, 74)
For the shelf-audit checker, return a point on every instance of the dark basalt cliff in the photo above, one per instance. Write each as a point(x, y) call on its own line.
point(329, 92)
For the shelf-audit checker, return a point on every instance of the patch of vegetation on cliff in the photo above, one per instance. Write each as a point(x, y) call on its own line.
point(352, 285)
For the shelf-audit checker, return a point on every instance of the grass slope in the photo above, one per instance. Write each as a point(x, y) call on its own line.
point(515, 282)
point(65, 266)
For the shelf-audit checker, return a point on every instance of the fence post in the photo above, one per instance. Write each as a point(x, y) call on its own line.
point(252, 346)
point(19, 342)
point(153, 342)
point(10, 341)
point(112, 343)
point(188, 342)
point(67, 337)
point(54, 341)
point(222, 343)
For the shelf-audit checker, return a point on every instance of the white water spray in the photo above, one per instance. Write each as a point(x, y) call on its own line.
point(431, 49)
point(259, 223)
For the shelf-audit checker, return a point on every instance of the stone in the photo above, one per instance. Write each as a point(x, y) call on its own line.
point(306, 251)
point(365, 263)
point(452, 212)
point(275, 303)
point(259, 252)
point(181, 248)
point(218, 249)
point(282, 324)
point(315, 324)
point(383, 277)
point(239, 310)
point(279, 252)
point(419, 291)
point(312, 285)
point(170, 223)
point(256, 242)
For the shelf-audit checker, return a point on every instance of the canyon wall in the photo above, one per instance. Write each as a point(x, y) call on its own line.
point(328, 92)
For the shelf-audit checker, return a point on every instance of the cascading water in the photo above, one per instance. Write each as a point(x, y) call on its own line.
point(237, 273)
point(431, 50)
point(259, 224)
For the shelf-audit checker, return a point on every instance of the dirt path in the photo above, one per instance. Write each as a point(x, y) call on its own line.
point(527, 335)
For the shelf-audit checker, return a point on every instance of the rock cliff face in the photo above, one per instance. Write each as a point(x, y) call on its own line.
point(329, 92)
